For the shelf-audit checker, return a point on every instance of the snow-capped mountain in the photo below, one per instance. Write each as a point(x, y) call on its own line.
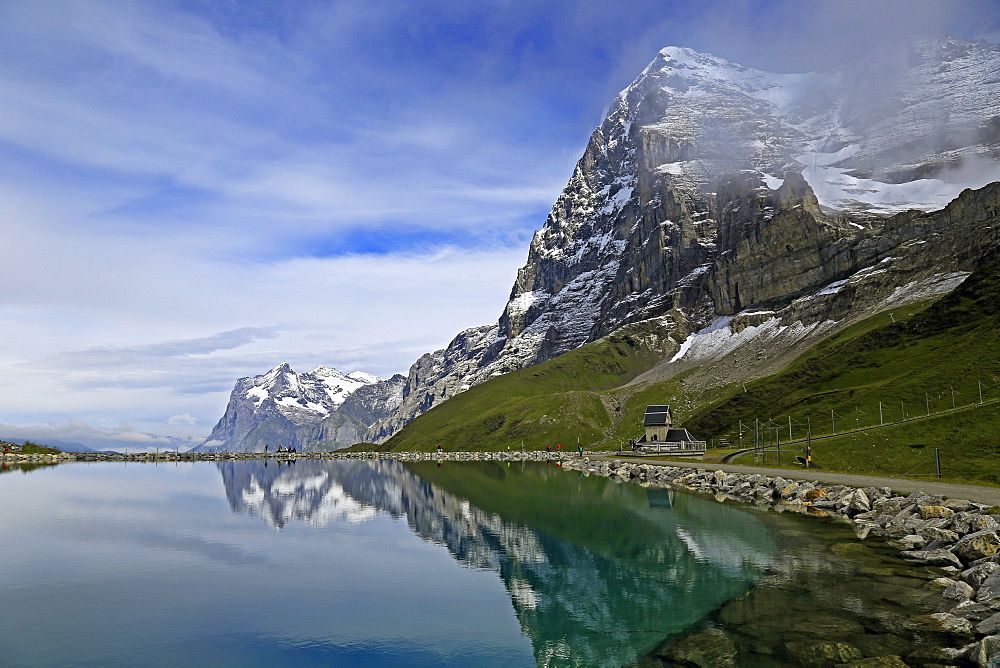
point(302, 410)
point(712, 190)
point(748, 214)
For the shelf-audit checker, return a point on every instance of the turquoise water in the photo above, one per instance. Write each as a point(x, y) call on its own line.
point(353, 563)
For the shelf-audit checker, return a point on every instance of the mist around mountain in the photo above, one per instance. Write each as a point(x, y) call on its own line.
point(731, 219)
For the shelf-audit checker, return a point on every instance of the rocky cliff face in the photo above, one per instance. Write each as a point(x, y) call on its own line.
point(318, 409)
point(715, 190)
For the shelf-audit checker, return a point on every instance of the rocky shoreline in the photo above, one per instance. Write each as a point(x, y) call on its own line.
point(959, 538)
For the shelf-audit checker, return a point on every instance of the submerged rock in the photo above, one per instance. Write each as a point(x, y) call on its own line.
point(710, 648)
point(823, 654)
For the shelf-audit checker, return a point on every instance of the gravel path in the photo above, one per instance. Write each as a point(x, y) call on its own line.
point(977, 493)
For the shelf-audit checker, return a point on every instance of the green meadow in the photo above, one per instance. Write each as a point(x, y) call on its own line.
point(908, 363)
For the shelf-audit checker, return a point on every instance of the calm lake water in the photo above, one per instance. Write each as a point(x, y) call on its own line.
point(353, 563)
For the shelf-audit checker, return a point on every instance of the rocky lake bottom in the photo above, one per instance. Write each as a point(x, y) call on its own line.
point(830, 603)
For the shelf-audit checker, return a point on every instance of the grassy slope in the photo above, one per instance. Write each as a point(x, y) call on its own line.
point(560, 401)
point(30, 448)
point(954, 342)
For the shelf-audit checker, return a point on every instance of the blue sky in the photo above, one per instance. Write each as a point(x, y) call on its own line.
point(194, 191)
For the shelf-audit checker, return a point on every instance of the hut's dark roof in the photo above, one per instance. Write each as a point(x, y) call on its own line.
point(656, 415)
point(656, 419)
point(677, 435)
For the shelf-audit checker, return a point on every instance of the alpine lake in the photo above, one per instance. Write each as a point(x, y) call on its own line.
point(376, 563)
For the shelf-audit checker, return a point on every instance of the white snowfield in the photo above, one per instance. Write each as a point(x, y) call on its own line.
point(885, 110)
point(320, 391)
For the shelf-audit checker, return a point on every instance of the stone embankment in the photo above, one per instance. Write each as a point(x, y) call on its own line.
point(62, 457)
point(959, 537)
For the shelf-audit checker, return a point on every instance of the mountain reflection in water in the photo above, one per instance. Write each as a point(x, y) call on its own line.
point(598, 572)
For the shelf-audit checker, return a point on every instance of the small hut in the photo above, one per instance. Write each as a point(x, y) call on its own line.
point(662, 436)
point(658, 423)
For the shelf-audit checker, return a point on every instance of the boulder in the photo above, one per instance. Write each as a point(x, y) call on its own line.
point(815, 493)
point(822, 654)
point(889, 506)
point(939, 557)
point(875, 662)
point(789, 490)
point(940, 584)
point(976, 612)
point(942, 622)
point(858, 502)
point(921, 499)
point(709, 648)
point(959, 591)
point(976, 575)
point(989, 589)
point(958, 505)
point(986, 653)
point(908, 542)
point(940, 535)
point(969, 522)
point(977, 545)
point(989, 626)
point(929, 512)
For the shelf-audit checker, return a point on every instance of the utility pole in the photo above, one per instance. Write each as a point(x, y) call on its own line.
point(953, 397)
point(937, 461)
point(741, 434)
point(857, 419)
point(833, 422)
point(927, 400)
point(880, 420)
point(809, 450)
point(756, 434)
point(902, 408)
point(980, 391)
point(789, 427)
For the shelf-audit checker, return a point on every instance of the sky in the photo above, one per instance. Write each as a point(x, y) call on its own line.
point(193, 191)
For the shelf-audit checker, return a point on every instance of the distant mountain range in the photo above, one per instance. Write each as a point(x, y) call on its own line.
point(322, 409)
point(741, 214)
